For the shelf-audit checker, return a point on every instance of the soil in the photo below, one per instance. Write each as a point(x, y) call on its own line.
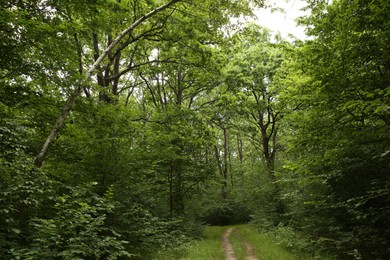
point(249, 252)
point(228, 248)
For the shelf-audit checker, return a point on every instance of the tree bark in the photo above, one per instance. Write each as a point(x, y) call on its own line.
point(225, 159)
point(223, 163)
point(57, 126)
point(72, 99)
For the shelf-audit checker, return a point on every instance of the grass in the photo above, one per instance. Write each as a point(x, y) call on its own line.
point(210, 248)
point(238, 246)
point(265, 246)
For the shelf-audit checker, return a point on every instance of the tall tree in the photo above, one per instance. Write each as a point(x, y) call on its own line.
point(172, 89)
point(252, 73)
point(339, 140)
point(121, 34)
point(113, 43)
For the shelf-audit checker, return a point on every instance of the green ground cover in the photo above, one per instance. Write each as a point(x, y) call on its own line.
point(264, 245)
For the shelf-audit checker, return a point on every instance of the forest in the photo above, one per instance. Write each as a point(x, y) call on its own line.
point(127, 126)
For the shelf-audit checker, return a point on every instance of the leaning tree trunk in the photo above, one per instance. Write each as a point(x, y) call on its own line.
point(72, 99)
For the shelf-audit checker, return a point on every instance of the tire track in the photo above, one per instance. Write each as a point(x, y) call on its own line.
point(228, 248)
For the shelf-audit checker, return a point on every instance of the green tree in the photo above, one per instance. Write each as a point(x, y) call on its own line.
point(118, 41)
point(338, 143)
point(139, 133)
point(253, 74)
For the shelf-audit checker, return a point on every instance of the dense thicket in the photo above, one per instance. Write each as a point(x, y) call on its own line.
point(338, 144)
point(132, 151)
point(187, 119)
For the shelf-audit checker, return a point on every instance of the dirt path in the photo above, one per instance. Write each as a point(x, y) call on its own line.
point(249, 252)
point(228, 248)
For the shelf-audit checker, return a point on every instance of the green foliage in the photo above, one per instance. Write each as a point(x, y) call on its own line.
point(76, 231)
point(292, 240)
point(148, 233)
point(300, 129)
point(37, 222)
point(225, 213)
point(13, 157)
point(257, 192)
point(19, 204)
point(264, 244)
point(337, 167)
point(146, 161)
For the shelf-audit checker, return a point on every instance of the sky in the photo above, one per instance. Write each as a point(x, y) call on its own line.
point(282, 22)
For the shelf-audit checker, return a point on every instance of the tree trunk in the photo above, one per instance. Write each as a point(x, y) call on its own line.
point(223, 163)
point(225, 159)
point(240, 154)
point(56, 128)
point(176, 194)
point(72, 99)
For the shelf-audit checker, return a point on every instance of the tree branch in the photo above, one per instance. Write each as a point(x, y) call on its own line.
point(72, 99)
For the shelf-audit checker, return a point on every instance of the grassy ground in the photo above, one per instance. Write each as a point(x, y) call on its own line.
point(265, 247)
point(210, 248)
point(238, 246)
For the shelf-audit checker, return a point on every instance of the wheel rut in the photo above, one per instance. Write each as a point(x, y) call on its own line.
point(228, 247)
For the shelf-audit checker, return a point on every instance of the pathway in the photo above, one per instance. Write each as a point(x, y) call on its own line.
point(228, 248)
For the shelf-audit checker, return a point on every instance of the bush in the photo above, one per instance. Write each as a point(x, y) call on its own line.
point(228, 212)
point(70, 226)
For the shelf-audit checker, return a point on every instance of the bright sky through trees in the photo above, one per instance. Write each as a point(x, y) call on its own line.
point(283, 21)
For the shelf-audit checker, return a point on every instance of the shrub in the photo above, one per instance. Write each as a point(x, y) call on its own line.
point(228, 212)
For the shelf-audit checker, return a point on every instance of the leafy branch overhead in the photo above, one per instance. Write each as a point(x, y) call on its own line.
point(163, 117)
